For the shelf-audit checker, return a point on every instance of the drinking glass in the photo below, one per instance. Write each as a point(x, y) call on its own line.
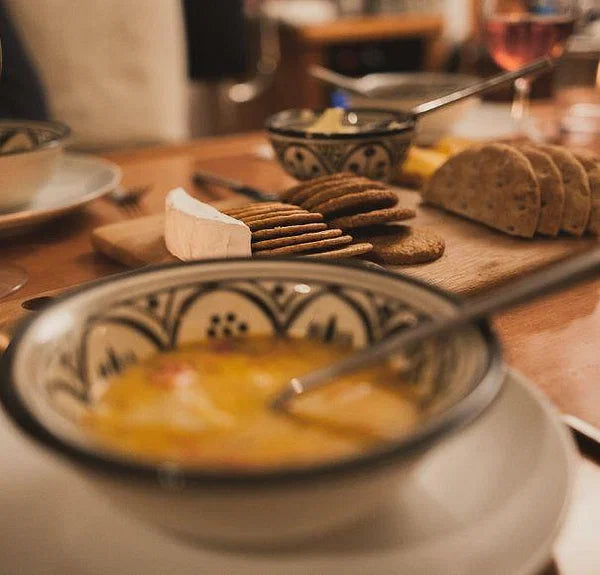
point(516, 32)
point(11, 277)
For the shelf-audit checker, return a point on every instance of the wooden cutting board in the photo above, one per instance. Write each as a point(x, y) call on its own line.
point(476, 257)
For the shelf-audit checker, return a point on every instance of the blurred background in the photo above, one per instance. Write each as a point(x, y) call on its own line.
point(132, 72)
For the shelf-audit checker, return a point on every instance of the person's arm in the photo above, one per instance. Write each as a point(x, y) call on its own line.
point(21, 92)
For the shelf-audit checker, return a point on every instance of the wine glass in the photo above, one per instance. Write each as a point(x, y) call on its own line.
point(516, 32)
point(11, 277)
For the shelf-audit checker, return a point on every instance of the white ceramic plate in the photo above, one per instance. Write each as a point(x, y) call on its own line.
point(78, 179)
point(490, 500)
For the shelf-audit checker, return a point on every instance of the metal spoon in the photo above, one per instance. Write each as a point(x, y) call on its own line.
point(553, 278)
point(364, 86)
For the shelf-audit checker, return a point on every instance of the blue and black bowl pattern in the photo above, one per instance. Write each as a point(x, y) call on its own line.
point(136, 328)
point(379, 144)
point(375, 159)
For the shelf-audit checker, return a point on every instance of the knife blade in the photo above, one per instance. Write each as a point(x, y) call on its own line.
point(201, 178)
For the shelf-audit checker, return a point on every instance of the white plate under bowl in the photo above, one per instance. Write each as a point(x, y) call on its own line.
point(78, 179)
point(489, 500)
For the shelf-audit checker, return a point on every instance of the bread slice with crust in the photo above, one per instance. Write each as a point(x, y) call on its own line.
point(552, 192)
point(491, 183)
point(578, 197)
point(591, 164)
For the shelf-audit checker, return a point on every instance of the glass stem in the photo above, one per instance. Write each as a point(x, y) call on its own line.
point(520, 105)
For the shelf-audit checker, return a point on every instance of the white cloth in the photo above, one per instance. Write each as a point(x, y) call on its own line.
point(115, 70)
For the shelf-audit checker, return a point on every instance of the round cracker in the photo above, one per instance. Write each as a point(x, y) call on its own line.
point(285, 231)
point(272, 214)
point(283, 220)
point(288, 194)
point(578, 197)
point(357, 203)
point(591, 164)
point(403, 245)
point(345, 252)
point(297, 239)
point(372, 218)
point(267, 210)
point(552, 193)
point(306, 247)
point(255, 208)
point(337, 189)
point(308, 191)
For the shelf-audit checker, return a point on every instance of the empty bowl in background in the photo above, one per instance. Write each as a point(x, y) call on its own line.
point(29, 153)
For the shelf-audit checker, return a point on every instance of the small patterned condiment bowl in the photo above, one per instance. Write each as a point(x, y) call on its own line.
point(374, 150)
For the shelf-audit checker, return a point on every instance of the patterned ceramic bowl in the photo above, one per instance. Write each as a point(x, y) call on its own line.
point(374, 151)
point(29, 152)
point(61, 358)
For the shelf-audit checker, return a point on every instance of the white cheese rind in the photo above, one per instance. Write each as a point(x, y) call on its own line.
point(195, 230)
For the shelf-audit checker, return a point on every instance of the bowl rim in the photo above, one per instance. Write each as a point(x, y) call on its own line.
point(167, 474)
point(62, 132)
point(406, 120)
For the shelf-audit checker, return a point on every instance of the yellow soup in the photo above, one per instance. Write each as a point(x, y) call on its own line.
point(207, 404)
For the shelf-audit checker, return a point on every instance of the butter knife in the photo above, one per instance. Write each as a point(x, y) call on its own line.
point(200, 178)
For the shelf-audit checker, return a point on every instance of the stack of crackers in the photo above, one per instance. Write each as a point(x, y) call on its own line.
point(348, 201)
point(521, 190)
point(280, 229)
point(369, 211)
point(336, 216)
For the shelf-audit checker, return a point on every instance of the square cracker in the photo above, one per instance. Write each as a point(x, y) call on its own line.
point(578, 201)
point(491, 183)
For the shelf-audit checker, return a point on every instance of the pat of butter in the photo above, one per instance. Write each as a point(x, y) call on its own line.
point(331, 121)
point(195, 230)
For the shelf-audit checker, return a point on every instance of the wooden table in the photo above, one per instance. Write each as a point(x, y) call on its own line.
point(554, 342)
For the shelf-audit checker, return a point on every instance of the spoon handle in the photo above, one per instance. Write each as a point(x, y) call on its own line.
point(537, 284)
point(483, 86)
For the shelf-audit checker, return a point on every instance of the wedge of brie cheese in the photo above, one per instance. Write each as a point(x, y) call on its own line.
point(195, 230)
